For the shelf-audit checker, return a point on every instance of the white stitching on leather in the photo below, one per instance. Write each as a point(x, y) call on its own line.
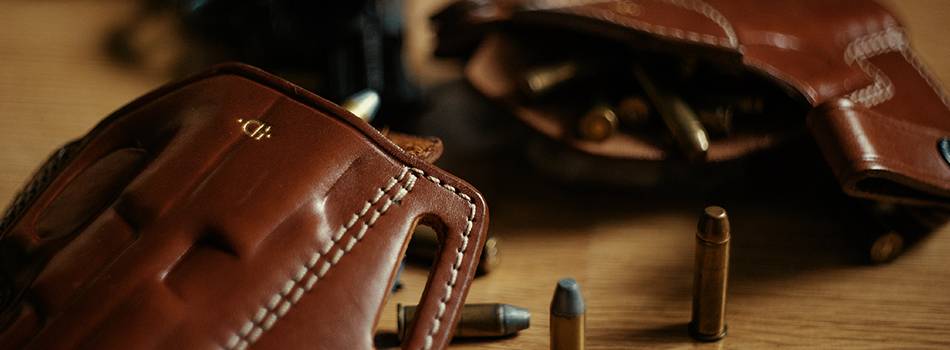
point(860, 49)
point(460, 253)
point(891, 39)
point(253, 329)
point(294, 288)
point(710, 12)
point(701, 7)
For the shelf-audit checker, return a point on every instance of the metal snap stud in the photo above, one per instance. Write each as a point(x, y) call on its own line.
point(943, 146)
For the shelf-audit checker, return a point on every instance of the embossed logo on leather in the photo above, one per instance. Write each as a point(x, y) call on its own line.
point(255, 129)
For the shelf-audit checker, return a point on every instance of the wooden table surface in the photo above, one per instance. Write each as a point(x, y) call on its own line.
point(794, 282)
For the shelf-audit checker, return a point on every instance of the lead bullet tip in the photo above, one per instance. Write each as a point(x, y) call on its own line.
point(567, 299)
point(516, 318)
point(363, 104)
point(714, 225)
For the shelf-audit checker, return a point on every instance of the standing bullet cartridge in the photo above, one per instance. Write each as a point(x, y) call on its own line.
point(567, 316)
point(424, 245)
point(598, 123)
point(478, 320)
point(489, 258)
point(679, 117)
point(710, 276)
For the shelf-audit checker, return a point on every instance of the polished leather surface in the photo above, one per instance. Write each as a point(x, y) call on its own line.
point(172, 226)
point(822, 50)
point(890, 159)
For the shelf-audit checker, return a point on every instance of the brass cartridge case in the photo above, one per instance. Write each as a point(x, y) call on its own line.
point(633, 111)
point(598, 124)
point(568, 316)
point(540, 81)
point(886, 247)
point(710, 277)
point(424, 245)
point(478, 320)
point(679, 117)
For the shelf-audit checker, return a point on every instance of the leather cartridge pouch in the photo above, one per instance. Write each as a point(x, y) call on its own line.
point(843, 68)
point(232, 210)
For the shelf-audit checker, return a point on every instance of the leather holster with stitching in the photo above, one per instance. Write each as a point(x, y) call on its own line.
point(844, 68)
point(841, 71)
point(232, 210)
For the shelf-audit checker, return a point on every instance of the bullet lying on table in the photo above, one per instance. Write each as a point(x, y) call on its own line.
point(478, 320)
point(567, 316)
point(710, 276)
point(425, 244)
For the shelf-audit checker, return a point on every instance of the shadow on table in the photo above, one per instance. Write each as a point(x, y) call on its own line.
point(669, 334)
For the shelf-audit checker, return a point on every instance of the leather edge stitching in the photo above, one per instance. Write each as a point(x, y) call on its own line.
point(731, 40)
point(714, 15)
point(891, 39)
point(460, 254)
point(307, 275)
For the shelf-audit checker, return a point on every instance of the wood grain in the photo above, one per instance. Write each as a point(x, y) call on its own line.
point(794, 282)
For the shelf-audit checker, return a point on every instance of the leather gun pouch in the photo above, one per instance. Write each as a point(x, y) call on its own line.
point(843, 68)
point(231, 211)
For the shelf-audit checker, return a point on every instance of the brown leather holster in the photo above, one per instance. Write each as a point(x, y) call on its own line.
point(232, 210)
point(874, 110)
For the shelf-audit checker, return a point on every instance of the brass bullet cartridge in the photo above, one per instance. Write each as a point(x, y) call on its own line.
point(567, 316)
point(710, 276)
point(890, 229)
point(478, 320)
point(883, 230)
point(424, 245)
point(599, 123)
point(363, 104)
point(540, 81)
point(633, 111)
point(886, 247)
point(489, 258)
point(679, 118)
